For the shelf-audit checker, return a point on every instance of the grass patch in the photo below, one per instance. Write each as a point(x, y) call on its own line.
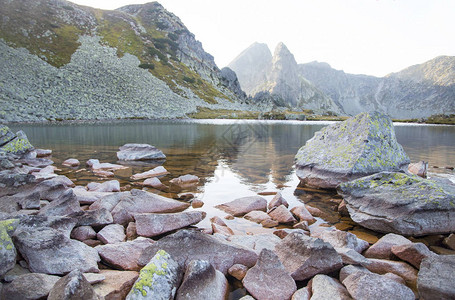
point(441, 119)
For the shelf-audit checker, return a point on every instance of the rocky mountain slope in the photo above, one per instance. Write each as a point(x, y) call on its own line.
point(64, 61)
point(262, 75)
point(416, 92)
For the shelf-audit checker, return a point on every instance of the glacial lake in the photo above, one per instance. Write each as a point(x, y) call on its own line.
point(233, 158)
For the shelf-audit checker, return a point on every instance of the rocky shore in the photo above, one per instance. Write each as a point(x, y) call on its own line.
point(102, 241)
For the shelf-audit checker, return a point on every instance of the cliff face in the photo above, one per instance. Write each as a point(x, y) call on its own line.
point(277, 79)
point(85, 63)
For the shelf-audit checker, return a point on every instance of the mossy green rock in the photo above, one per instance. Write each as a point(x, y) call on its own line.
point(360, 146)
point(159, 279)
point(6, 135)
point(19, 145)
point(7, 249)
point(400, 203)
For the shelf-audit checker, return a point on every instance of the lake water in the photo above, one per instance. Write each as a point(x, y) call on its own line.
point(233, 158)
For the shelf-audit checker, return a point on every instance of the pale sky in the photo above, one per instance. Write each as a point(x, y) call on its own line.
point(373, 37)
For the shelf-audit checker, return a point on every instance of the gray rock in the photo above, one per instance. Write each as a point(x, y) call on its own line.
point(72, 286)
point(109, 200)
point(340, 239)
point(65, 205)
point(268, 279)
point(63, 225)
point(256, 242)
point(159, 279)
point(124, 255)
point(202, 281)
point(352, 269)
point(49, 251)
point(139, 152)
point(107, 186)
point(436, 277)
point(302, 294)
point(83, 233)
point(88, 197)
point(7, 249)
point(111, 234)
point(187, 245)
point(150, 225)
point(71, 162)
point(43, 152)
point(15, 272)
point(277, 201)
point(350, 256)
point(95, 218)
point(94, 278)
point(155, 172)
point(144, 202)
point(325, 287)
point(29, 286)
point(400, 203)
point(369, 286)
point(349, 150)
point(412, 253)
point(305, 256)
point(242, 206)
point(402, 269)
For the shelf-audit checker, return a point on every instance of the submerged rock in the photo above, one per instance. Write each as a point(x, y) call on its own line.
point(400, 203)
point(158, 171)
point(139, 152)
point(159, 279)
point(360, 146)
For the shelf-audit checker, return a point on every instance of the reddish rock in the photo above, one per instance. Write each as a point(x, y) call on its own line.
point(155, 183)
point(383, 247)
point(282, 233)
point(43, 152)
point(116, 285)
point(131, 232)
point(314, 211)
point(282, 215)
point(196, 203)
point(158, 171)
point(269, 223)
point(343, 239)
point(107, 186)
point(268, 279)
point(419, 168)
point(185, 179)
point(238, 271)
point(124, 255)
point(450, 241)
point(257, 216)
point(277, 201)
point(83, 233)
point(71, 162)
point(150, 225)
point(242, 206)
point(113, 233)
point(402, 269)
point(302, 213)
point(412, 253)
point(302, 225)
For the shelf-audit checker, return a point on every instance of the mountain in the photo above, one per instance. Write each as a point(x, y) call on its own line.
point(277, 79)
point(60, 60)
point(416, 92)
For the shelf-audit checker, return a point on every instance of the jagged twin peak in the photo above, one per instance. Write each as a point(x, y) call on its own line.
point(277, 78)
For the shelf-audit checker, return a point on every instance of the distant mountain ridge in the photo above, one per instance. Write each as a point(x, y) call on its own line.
point(86, 63)
point(415, 92)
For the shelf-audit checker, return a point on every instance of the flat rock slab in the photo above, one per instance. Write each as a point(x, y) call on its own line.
point(304, 256)
point(155, 172)
point(139, 152)
point(401, 203)
point(125, 255)
point(268, 279)
point(256, 242)
point(343, 239)
point(186, 245)
point(71, 162)
point(244, 205)
point(111, 234)
point(150, 225)
point(360, 146)
point(29, 286)
point(436, 277)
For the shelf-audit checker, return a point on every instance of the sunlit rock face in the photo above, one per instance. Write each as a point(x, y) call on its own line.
point(357, 147)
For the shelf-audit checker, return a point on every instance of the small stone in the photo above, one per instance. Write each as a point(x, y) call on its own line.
point(302, 294)
point(139, 152)
point(154, 183)
point(196, 203)
point(343, 239)
point(282, 215)
point(107, 186)
point(269, 223)
point(242, 206)
point(302, 225)
point(314, 211)
point(158, 171)
point(257, 216)
point(238, 271)
point(94, 278)
point(131, 231)
point(113, 233)
point(277, 201)
point(450, 241)
point(150, 225)
point(282, 233)
point(83, 233)
point(302, 213)
point(71, 162)
point(116, 285)
point(72, 286)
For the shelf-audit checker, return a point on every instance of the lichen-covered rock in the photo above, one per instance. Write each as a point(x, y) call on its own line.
point(202, 281)
point(7, 249)
point(20, 145)
point(6, 135)
point(436, 277)
point(150, 225)
point(29, 286)
point(304, 256)
point(72, 286)
point(360, 146)
point(159, 279)
point(268, 279)
point(139, 152)
point(401, 203)
point(187, 245)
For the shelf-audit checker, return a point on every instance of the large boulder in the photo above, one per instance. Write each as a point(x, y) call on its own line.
point(401, 203)
point(159, 279)
point(268, 279)
point(139, 152)
point(187, 245)
point(49, 251)
point(19, 145)
point(202, 281)
point(65, 205)
point(150, 225)
point(436, 277)
point(305, 256)
point(360, 146)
